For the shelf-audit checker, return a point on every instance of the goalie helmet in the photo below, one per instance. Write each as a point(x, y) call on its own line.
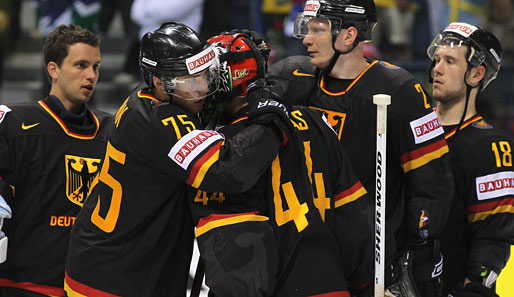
point(176, 51)
point(241, 63)
point(338, 14)
point(483, 47)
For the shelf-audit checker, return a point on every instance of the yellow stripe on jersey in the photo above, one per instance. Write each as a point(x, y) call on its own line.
point(203, 170)
point(424, 155)
point(352, 197)
point(229, 221)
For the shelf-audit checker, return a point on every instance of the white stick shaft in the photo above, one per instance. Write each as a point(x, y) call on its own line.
point(380, 202)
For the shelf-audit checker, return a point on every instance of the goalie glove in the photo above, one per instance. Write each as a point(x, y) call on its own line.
point(266, 106)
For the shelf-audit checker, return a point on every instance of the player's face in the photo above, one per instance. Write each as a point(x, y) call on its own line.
point(190, 91)
point(448, 73)
point(75, 80)
point(319, 42)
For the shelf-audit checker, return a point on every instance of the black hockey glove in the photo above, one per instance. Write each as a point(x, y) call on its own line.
point(427, 268)
point(266, 106)
point(474, 289)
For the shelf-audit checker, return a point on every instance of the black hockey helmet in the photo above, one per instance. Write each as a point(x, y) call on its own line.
point(339, 14)
point(483, 48)
point(175, 50)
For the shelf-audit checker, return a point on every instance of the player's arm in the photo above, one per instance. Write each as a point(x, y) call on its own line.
point(424, 158)
point(490, 209)
point(417, 139)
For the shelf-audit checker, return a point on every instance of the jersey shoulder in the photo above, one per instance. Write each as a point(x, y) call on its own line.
point(294, 66)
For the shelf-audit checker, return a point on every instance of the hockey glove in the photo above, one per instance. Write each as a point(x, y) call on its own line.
point(265, 106)
point(474, 289)
point(427, 268)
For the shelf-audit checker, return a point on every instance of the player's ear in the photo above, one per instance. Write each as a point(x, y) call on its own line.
point(157, 82)
point(350, 35)
point(476, 74)
point(53, 70)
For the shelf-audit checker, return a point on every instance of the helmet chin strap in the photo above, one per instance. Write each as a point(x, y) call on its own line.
point(338, 53)
point(468, 92)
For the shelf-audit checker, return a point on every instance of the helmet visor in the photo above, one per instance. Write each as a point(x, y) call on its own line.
point(453, 43)
point(306, 25)
point(193, 87)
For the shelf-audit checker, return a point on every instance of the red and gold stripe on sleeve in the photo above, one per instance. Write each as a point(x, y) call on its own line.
point(32, 287)
point(219, 220)
point(351, 194)
point(203, 164)
point(423, 155)
point(480, 212)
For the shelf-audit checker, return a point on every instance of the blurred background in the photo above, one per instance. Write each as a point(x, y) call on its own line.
point(405, 29)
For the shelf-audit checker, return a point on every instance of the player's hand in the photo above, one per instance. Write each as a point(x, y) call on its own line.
point(267, 106)
point(474, 289)
point(427, 268)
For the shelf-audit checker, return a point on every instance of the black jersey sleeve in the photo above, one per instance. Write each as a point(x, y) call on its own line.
point(213, 163)
point(489, 204)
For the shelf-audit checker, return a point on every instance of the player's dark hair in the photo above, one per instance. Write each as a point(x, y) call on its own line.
point(58, 42)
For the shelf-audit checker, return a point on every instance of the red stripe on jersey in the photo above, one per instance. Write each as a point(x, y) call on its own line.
point(333, 294)
point(351, 194)
point(464, 125)
point(41, 289)
point(481, 211)
point(322, 81)
point(79, 288)
point(417, 158)
point(239, 120)
point(198, 164)
point(65, 128)
point(215, 217)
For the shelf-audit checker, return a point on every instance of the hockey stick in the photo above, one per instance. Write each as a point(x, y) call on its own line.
point(381, 101)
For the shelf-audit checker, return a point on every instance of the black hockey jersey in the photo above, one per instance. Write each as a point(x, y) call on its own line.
point(51, 164)
point(339, 196)
point(134, 234)
point(419, 182)
point(480, 228)
point(253, 262)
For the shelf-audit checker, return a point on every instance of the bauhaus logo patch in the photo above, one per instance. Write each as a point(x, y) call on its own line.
point(3, 111)
point(495, 185)
point(201, 61)
point(191, 145)
point(426, 128)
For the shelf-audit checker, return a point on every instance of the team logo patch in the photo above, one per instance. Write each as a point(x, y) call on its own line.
point(191, 145)
point(481, 125)
point(3, 111)
point(311, 8)
point(325, 119)
point(201, 61)
point(495, 185)
point(426, 128)
point(462, 29)
point(423, 219)
point(80, 173)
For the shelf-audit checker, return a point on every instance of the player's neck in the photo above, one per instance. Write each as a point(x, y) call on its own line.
point(450, 113)
point(349, 66)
